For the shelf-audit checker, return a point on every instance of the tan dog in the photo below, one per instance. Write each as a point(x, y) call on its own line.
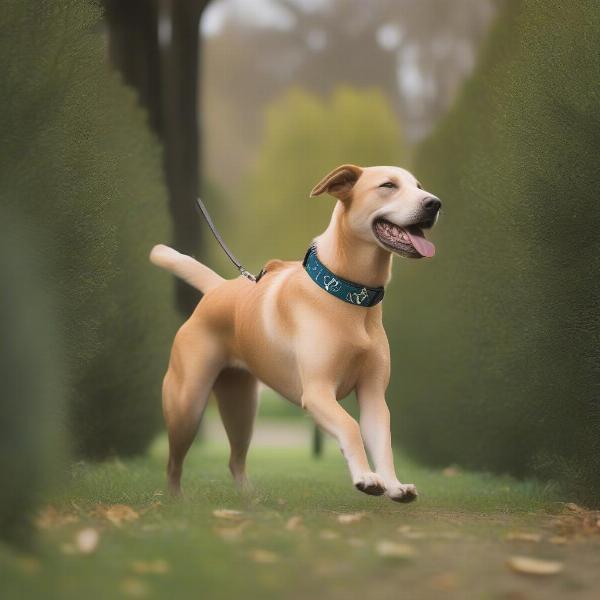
point(297, 338)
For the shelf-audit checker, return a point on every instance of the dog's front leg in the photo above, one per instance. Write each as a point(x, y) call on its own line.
point(375, 427)
point(320, 401)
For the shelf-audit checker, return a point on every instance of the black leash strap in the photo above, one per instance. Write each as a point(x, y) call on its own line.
point(223, 245)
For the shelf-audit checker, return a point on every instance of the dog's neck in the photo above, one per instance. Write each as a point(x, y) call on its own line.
point(350, 257)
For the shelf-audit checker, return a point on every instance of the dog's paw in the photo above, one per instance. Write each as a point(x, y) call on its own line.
point(403, 492)
point(370, 483)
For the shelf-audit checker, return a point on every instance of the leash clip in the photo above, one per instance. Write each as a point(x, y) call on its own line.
point(247, 274)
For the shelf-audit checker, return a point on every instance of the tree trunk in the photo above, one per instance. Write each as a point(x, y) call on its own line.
point(181, 132)
point(166, 79)
point(135, 52)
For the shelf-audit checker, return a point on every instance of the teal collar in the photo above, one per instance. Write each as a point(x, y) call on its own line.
point(353, 293)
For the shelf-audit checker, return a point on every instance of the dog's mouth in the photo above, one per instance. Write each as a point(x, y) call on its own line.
point(409, 241)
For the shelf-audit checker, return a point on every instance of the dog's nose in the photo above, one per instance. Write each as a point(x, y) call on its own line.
point(432, 204)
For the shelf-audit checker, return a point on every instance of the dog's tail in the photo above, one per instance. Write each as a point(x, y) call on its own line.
point(185, 267)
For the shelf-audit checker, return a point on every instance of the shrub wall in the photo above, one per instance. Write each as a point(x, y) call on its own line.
point(496, 339)
point(80, 166)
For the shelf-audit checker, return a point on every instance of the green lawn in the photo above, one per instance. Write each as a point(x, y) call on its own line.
point(451, 543)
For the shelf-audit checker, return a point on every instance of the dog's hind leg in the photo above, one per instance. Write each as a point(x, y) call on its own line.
point(196, 360)
point(237, 393)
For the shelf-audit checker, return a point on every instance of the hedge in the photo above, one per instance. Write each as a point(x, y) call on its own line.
point(79, 164)
point(497, 337)
point(31, 370)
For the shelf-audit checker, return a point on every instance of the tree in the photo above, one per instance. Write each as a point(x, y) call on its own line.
point(306, 137)
point(166, 79)
point(416, 53)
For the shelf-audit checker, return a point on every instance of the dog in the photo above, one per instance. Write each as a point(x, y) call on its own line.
point(310, 340)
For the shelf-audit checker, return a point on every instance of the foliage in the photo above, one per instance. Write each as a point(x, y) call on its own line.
point(79, 164)
point(498, 367)
point(31, 373)
point(305, 138)
point(390, 44)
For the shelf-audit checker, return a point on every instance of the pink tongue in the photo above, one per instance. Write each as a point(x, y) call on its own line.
point(423, 246)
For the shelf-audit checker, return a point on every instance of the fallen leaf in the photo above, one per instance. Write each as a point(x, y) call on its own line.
point(348, 518)
point(534, 566)
point(264, 557)
point(577, 521)
point(451, 471)
point(523, 536)
point(327, 534)
point(152, 567)
point(227, 513)
point(118, 514)
point(86, 540)
point(134, 587)
point(294, 523)
point(231, 534)
point(50, 517)
point(389, 549)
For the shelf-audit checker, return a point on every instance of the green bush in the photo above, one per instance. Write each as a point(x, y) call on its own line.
point(498, 367)
point(305, 137)
point(79, 163)
point(31, 371)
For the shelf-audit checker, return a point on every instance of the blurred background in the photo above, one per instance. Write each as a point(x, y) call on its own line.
point(114, 116)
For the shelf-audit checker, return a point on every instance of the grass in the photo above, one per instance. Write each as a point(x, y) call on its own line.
point(456, 532)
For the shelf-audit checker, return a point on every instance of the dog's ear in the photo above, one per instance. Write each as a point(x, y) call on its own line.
point(339, 182)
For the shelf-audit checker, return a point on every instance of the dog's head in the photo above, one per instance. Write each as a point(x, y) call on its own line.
point(384, 205)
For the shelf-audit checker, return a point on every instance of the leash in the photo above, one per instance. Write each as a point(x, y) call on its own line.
point(223, 245)
point(348, 291)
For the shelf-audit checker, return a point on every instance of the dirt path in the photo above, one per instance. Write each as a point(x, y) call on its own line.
point(303, 532)
point(268, 433)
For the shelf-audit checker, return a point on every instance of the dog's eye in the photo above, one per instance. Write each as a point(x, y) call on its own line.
point(388, 184)
point(419, 185)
